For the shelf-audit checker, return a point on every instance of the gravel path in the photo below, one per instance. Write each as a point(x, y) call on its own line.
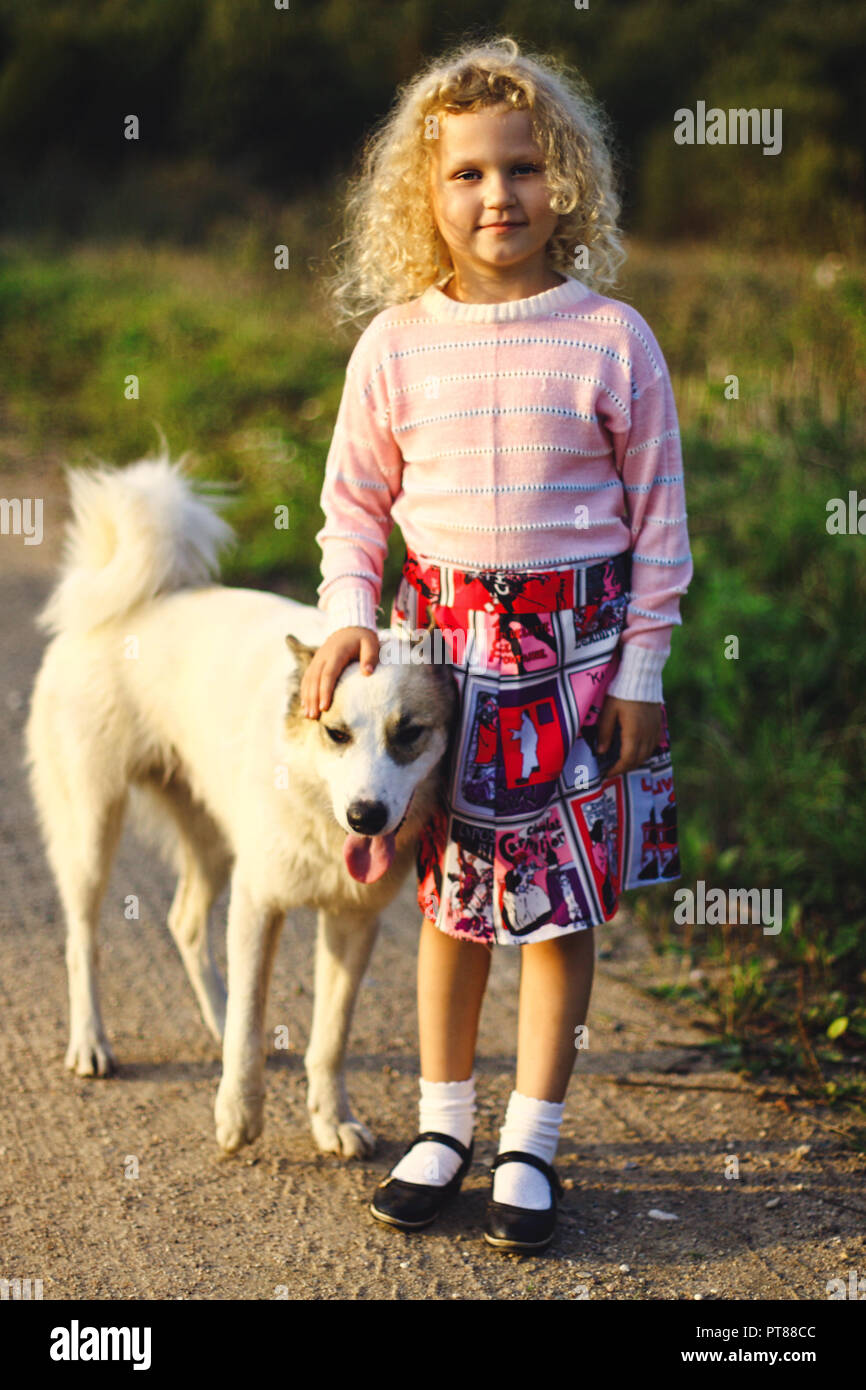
point(649, 1123)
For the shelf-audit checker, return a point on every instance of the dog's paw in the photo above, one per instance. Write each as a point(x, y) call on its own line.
point(239, 1119)
point(348, 1138)
point(89, 1054)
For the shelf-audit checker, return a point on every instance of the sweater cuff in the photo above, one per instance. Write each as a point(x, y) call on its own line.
point(351, 608)
point(639, 676)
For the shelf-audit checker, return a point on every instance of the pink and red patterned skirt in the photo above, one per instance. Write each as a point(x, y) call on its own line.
point(532, 840)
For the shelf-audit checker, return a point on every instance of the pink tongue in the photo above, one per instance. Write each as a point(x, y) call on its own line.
point(368, 857)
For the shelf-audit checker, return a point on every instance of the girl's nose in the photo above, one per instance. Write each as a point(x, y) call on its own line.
point(498, 194)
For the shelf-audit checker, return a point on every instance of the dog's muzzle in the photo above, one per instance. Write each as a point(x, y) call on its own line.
point(367, 853)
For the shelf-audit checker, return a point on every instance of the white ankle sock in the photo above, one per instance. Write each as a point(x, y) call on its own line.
point(533, 1126)
point(449, 1107)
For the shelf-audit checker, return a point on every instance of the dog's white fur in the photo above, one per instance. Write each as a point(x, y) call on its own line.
point(179, 696)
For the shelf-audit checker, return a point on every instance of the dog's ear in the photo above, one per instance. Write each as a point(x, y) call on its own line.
point(301, 651)
point(303, 656)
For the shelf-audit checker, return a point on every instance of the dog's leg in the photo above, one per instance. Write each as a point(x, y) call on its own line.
point(82, 866)
point(188, 923)
point(253, 932)
point(204, 861)
point(205, 864)
point(80, 795)
point(343, 946)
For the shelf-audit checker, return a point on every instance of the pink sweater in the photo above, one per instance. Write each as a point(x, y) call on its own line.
point(526, 433)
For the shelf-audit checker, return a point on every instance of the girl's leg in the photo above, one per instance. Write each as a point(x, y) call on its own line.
point(452, 978)
point(555, 986)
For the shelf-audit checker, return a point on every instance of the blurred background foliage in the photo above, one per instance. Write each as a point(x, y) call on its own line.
point(157, 258)
point(242, 95)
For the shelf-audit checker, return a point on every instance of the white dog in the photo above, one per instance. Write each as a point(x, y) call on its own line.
point(180, 695)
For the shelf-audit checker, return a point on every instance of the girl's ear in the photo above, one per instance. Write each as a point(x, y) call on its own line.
point(443, 255)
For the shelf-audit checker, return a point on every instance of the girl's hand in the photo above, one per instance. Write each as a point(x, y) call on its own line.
point(640, 727)
point(345, 645)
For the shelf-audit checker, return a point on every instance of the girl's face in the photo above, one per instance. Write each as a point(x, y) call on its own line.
point(489, 195)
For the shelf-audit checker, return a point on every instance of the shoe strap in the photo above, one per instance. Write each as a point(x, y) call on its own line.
point(518, 1156)
point(434, 1137)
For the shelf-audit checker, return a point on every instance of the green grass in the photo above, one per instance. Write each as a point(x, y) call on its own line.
point(236, 362)
point(231, 364)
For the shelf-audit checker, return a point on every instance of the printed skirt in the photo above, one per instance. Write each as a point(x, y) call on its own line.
point(531, 839)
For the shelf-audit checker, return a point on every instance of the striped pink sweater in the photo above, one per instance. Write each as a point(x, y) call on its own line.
point(524, 433)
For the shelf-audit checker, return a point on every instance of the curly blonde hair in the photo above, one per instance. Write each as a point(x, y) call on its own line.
point(392, 250)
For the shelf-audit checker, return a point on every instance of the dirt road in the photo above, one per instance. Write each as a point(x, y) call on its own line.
point(116, 1190)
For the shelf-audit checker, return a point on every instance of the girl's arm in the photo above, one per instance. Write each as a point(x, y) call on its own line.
point(363, 478)
point(649, 460)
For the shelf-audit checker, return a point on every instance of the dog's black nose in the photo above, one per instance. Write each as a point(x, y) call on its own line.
point(367, 817)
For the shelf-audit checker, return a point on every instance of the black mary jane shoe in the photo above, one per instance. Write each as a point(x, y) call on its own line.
point(522, 1229)
point(414, 1205)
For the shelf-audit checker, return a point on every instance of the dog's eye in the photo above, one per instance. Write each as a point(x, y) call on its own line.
point(338, 735)
point(410, 733)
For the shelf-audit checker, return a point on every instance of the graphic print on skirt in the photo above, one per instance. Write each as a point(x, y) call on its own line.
point(533, 840)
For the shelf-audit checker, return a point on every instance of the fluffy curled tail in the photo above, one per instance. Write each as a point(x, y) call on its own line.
point(135, 532)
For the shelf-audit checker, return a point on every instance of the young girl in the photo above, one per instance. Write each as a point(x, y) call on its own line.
point(520, 427)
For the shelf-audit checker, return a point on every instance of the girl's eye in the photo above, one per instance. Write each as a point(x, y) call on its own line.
point(337, 735)
point(467, 174)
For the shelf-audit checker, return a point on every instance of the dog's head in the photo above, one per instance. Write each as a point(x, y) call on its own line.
point(379, 742)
